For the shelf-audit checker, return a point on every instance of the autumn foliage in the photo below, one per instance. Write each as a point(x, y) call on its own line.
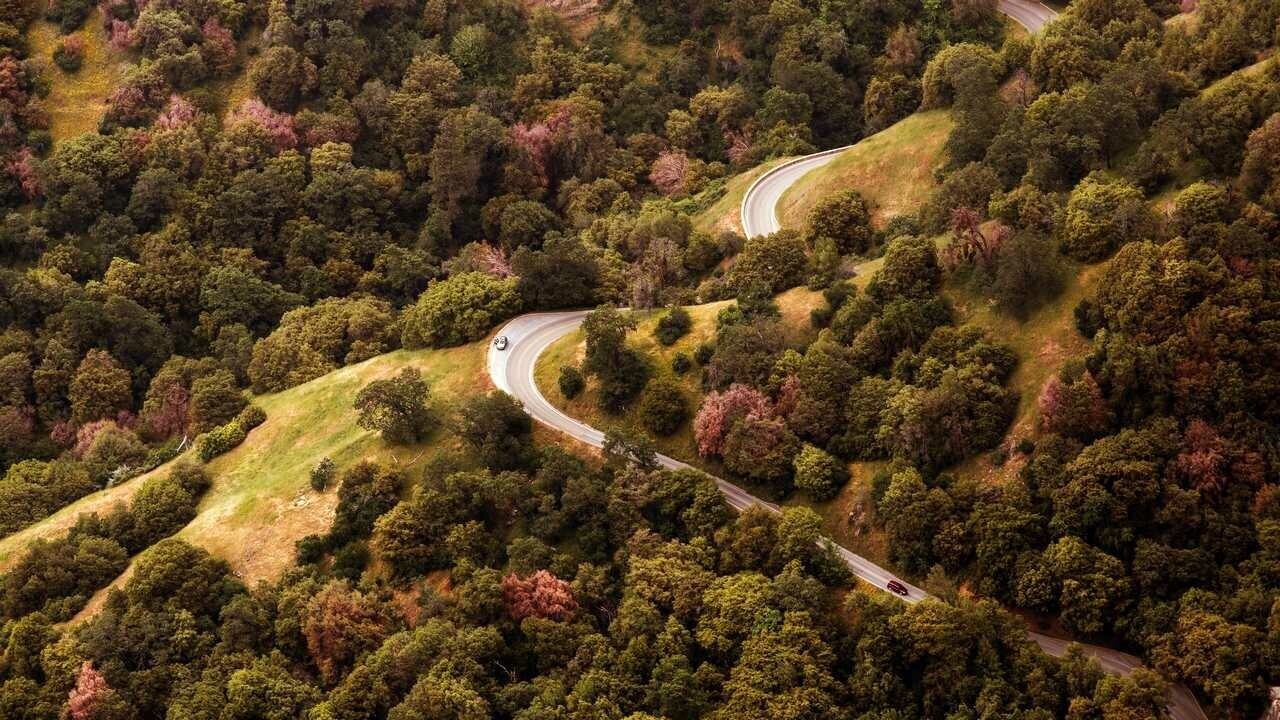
point(540, 595)
point(721, 410)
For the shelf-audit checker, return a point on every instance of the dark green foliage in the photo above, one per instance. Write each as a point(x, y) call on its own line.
point(498, 429)
point(703, 353)
point(777, 261)
point(396, 407)
point(622, 370)
point(322, 474)
point(1029, 274)
point(571, 382)
point(365, 493)
point(672, 326)
point(68, 14)
point(663, 407)
point(843, 217)
point(681, 363)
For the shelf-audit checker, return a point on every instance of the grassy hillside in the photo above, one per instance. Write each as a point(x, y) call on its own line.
point(1042, 343)
point(726, 212)
point(260, 502)
point(893, 170)
point(78, 100)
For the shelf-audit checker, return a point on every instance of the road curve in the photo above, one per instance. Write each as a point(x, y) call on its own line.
point(512, 371)
point(1029, 14)
point(759, 215)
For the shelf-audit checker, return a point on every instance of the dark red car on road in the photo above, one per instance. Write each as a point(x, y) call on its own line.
point(897, 588)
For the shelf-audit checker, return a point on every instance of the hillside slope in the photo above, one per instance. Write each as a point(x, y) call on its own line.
point(893, 169)
point(261, 501)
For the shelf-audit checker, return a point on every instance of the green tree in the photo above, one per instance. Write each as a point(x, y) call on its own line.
point(99, 388)
point(777, 261)
point(1101, 216)
point(498, 429)
point(396, 407)
point(844, 217)
point(818, 473)
point(459, 310)
point(663, 407)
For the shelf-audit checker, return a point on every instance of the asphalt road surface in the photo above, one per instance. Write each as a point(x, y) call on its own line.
point(1029, 14)
point(759, 207)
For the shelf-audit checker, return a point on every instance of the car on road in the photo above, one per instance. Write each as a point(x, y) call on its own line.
point(898, 588)
point(500, 342)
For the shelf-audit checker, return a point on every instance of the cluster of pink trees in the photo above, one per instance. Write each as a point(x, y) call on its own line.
point(179, 113)
point(24, 170)
point(721, 410)
point(670, 172)
point(1075, 408)
point(278, 126)
point(89, 693)
point(540, 595)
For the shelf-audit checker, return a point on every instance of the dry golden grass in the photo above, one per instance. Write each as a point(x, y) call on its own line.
point(893, 170)
point(77, 101)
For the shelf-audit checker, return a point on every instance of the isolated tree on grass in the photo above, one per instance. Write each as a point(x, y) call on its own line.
point(663, 408)
point(622, 371)
point(396, 407)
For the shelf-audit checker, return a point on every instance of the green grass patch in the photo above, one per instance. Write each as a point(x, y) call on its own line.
point(893, 170)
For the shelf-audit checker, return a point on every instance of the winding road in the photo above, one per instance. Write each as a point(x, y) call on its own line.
point(530, 335)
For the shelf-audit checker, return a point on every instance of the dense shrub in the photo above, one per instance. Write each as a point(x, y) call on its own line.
point(458, 310)
point(843, 217)
point(251, 417)
point(819, 474)
point(672, 326)
point(663, 407)
point(1101, 215)
point(571, 382)
point(322, 474)
point(220, 440)
point(498, 429)
point(681, 363)
point(68, 54)
point(777, 261)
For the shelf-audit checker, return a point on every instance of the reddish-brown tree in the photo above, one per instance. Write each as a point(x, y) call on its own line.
point(540, 595)
point(719, 412)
